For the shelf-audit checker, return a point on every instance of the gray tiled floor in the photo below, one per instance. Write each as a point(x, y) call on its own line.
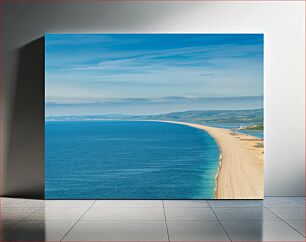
point(274, 219)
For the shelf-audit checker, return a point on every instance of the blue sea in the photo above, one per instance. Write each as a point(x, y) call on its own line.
point(128, 160)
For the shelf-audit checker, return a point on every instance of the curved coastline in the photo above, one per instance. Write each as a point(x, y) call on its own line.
point(240, 172)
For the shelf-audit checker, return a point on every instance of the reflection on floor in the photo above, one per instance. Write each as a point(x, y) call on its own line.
point(274, 219)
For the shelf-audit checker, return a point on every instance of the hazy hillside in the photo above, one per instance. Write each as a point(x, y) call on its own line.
point(242, 117)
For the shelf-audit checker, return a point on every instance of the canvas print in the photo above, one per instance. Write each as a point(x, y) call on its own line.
point(154, 116)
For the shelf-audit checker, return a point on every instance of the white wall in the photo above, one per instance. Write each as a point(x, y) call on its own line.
point(282, 22)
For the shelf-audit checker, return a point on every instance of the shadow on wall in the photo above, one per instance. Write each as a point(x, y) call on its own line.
point(25, 154)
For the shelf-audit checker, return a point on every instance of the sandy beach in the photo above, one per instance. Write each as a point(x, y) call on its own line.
point(241, 173)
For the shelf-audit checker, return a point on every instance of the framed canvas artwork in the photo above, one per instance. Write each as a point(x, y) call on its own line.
point(154, 116)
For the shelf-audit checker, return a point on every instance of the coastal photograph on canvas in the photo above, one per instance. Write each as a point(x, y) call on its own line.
point(154, 116)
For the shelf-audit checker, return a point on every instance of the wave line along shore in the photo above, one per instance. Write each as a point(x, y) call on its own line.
point(240, 173)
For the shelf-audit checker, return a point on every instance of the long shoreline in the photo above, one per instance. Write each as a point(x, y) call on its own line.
point(240, 172)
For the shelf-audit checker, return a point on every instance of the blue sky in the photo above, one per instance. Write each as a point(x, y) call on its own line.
point(152, 73)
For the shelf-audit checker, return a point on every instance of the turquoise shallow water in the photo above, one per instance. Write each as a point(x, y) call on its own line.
point(128, 160)
point(255, 133)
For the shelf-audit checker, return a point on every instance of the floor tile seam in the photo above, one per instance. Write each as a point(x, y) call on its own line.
point(286, 223)
point(165, 217)
point(220, 223)
point(73, 225)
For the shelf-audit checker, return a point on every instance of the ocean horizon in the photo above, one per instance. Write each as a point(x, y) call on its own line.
point(129, 160)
